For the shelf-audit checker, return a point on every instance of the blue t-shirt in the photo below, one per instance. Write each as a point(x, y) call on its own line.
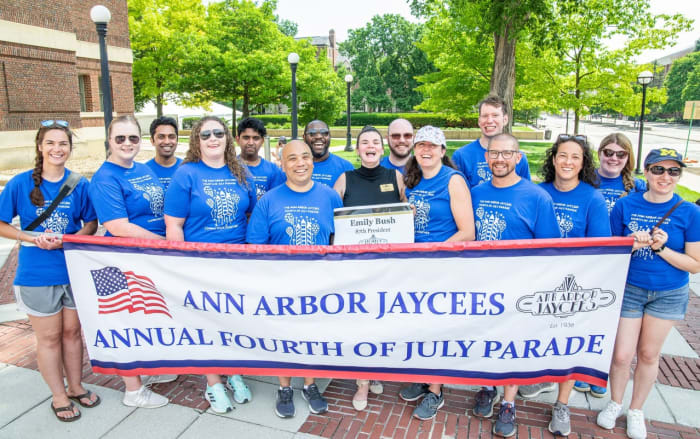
point(433, 221)
point(581, 212)
point(266, 176)
point(164, 174)
point(39, 267)
point(328, 171)
point(212, 201)
point(521, 211)
point(647, 269)
point(134, 193)
point(471, 161)
point(387, 164)
point(285, 217)
point(614, 188)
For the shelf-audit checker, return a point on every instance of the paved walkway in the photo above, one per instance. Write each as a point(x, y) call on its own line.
point(25, 413)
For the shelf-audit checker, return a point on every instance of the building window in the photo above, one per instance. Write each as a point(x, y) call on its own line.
point(82, 79)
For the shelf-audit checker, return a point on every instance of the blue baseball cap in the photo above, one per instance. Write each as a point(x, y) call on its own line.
point(661, 154)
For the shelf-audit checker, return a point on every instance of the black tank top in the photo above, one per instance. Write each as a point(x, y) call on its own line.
point(365, 186)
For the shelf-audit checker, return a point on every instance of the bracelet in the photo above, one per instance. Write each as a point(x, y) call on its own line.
point(660, 249)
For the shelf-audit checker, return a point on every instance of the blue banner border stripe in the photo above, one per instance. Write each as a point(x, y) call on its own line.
point(464, 254)
point(403, 371)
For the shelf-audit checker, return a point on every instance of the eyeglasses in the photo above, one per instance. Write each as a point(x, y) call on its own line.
point(609, 153)
point(132, 139)
point(506, 154)
point(322, 131)
point(659, 170)
point(52, 122)
point(397, 136)
point(577, 138)
point(218, 133)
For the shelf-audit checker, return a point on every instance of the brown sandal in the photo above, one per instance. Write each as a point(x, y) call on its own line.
point(86, 395)
point(68, 408)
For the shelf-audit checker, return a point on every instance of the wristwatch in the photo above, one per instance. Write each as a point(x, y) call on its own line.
point(660, 249)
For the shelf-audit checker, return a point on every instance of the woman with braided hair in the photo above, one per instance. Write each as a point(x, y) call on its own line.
point(41, 284)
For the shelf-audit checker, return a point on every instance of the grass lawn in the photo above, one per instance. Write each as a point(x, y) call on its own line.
point(535, 156)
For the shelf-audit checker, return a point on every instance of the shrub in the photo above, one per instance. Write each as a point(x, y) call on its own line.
point(417, 119)
point(187, 122)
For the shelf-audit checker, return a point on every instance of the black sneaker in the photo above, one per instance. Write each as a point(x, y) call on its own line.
point(317, 404)
point(284, 408)
point(485, 399)
point(414, 392)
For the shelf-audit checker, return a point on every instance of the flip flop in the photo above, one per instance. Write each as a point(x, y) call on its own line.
point(68, 408)
point(86, 395)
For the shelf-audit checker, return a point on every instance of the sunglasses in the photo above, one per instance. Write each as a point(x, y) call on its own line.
point(51, 122)
point(659, 170)
point(405, 136)
point(218, 133)
point(576, 138)
point(609, 153)
point(322, 131)
point(132, 139)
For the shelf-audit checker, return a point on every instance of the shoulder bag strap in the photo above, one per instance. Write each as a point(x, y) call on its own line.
point(661, 221)
point(70, 184)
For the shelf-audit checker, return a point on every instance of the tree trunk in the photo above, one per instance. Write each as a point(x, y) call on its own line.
point(159, 105)
point(234, 123)
point(503, 73)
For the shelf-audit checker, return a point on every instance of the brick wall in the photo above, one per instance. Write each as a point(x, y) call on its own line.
point(39, 83)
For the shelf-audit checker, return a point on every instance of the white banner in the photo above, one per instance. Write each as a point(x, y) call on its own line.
point(471, 313)
point(374, 224)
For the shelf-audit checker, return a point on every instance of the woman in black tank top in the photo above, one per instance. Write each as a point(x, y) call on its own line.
point(370, 183)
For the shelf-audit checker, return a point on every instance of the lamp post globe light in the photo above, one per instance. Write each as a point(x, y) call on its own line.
point(100, 15)
point(293, 59)
point(348, 82)
point(644, 78)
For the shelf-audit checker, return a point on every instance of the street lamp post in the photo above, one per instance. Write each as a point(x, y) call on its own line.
point(293, 59)
point(644, 78)
point(348, 81)
point(100, 15)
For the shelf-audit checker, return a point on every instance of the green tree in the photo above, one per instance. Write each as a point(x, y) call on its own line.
point(691, 92)
point(321, 92)
point(162, 32)
point(676, 82)
point(385, 62)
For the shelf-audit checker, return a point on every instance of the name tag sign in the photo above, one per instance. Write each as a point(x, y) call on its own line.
point(374, 224)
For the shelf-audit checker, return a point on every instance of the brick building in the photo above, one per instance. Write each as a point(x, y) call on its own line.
point(50, 69)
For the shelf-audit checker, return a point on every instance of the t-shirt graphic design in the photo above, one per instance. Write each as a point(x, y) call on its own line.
point(302, 229)
point(56, 222)
point(223, 202)
point(490, 224)
point(151, 192)
point(422, 218)
point(643, 223)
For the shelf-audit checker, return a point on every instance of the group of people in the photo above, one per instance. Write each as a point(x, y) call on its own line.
point(483, 193)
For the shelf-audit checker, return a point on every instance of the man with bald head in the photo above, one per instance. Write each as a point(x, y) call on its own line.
point(299, 212)
point(400, 139)
point(327, 167)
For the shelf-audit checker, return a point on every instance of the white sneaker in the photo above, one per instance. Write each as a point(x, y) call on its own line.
point(376, 387)
point(636, 429)
point(144, 398)
point(148, 380)
point(607, 417)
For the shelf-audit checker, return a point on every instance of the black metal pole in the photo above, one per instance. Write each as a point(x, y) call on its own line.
point(348, 145)
point(294, 101)
point(106, 83)
point(641, 130)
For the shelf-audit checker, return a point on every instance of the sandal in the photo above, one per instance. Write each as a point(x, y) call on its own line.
point(86, 395)
point(68, 408)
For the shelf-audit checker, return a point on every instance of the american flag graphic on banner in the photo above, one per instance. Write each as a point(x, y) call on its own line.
point(127, 291)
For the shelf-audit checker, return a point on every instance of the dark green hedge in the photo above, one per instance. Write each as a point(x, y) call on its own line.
point(383, 119)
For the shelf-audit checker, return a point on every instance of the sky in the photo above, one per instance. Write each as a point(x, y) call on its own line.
point(316, 18)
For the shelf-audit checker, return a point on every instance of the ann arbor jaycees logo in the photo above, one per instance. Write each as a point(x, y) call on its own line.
point(565, 300)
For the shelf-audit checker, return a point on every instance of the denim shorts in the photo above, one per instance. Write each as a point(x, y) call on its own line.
point(44, 301)
point(667, 305)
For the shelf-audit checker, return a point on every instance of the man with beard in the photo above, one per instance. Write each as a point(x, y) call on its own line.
point(327, 167)
point(164, 140)
point(251, 135)
point(299, 212)
point(508, 207)
point(400, 140)
point(470, 158)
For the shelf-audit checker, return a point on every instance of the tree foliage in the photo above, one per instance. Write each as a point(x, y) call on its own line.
point(162, 32)
point(677, 80)
point(385, 62)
